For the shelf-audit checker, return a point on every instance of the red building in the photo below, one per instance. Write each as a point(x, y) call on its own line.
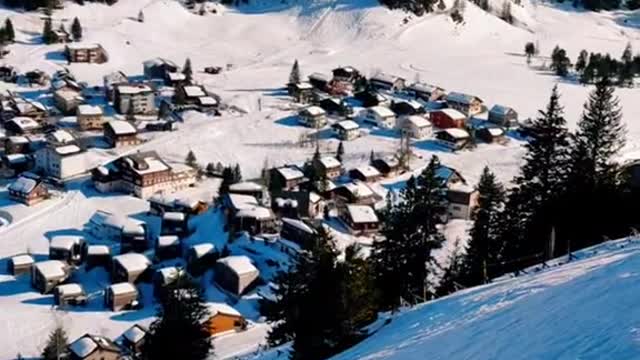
point(448, 118)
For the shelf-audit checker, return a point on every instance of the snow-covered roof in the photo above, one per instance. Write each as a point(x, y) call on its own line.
point(304, 86)
point(83, 46)
point(313, 111)
point(385, 78)
point(239, 201)
point(348, 125)
point(382, 111)
point(98, 250)
point(207, 101)
point(457, 133)
point(314, 197)
point(424, 87)
point(23, 185)
point(461, 98)
point(319, 76)
point(246, 186)
point(221, 308)
point(495, 131)
point(258, 212)
point(152, 163)
point(239, 264)
point(173, 216)
point(122, 288)
point(362, 214)
point(194, 91)
point(85, 109)
point(201, 250)
point(64, 242)
point(298, 224)
point(68, 94)
point(25, 123)
point(61, 136)
point(453, 113)
point(358, 189)
point(168, 240)
point(51, 268)
point(290, 173)
point(83, 347)
point(18, 139)
point(169, 274)
point(21, 260)
point(69, 289)
point(159, 61)
point(122, 127)
point(133, 89)
point(281, 203)
point(135, 333)
point(418, 121)
point(68, 149)
point(176, 76)
point(133, 262)
point(368, 171)
point(330, 162)
point(17, 158)
point(461, 187)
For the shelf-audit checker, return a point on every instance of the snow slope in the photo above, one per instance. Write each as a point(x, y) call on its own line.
point(585, 309)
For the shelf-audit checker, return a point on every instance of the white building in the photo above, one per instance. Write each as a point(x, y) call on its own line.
point(416, 126)
point(62, 162)
point(140, 97)
point(380, 116)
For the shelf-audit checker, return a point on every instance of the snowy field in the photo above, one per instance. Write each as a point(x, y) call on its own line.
point(257, 46)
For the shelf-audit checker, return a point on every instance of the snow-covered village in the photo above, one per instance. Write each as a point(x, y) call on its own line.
point(319, 179)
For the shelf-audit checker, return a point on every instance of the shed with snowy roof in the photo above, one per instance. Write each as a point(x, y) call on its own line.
point(28, 190)
point(503, 116)
point(236, 274)
point(313, 117)
point(46, 275)
point(131, 267)
point(360, 219)
point(20, 264)
point(224, 318)
point(120, 296)
point(120, 133)
point(94, 347)
point(133, 338)
point(69, 294)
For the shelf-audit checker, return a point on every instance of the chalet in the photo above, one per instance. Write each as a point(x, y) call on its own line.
point(346, 74)
point(462, 200)
point(159, 204)
point(416, 126)
point(90, 117)
point(164, 277)
point(313, 117)
point(360, 219)
point(388, 166)
point(448, 118)
point(194, 95)
point(319, 81)
point(249, 188)
point(67, 100)
point(86, 53)
point(46, 275)
point(60, 137)
point(503, 116)
point(347, 130)
point(67, 248)
point(94, 347)
point(98, 255)
point(365, 173)
point(200, 258)
point(120, 133)
point(121, 296)
point(111, 227)
point(298, 204)
point(490, 134)
point(20, 264)
point(287, 177)
point(159, 68)
point(168, 247)
point(61, 162)
point(380, 116)
point(109, 82)
point(426, 92)
point(245, 213)
point(134, 238)
point(159, 125)
point(174, 223)
point(301, 92)
point(60, 36)
point(327, 167)
point(382, 81)
point(134, 99)
point(236, 274)
point(142, 174)
point(455, 139)
point(63, 80)
point(133, 339)
point(22, 126)
point(28, 189)
point(469, 105)
point(407, 107)
point(335, 106)
point(355, 192)
point(223, 318)
point(20, 107)
point(131, 267)
point(69, 294)
point(17, 145)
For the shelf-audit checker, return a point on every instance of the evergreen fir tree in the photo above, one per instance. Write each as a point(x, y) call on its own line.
point(47, 32)
point(76, 29)
point(187, 70)
point(484, 245)
point(210, 169)
point(181, 330)
point(191, 159)
point(505, 14)
point(560, 63)
point(340, 152)
point(441, 5)
point(141, 16)
point(410, 228)
point(453, 275)
point(626, 70)
point(227, 180)
point(372, 157)
point(581, 63)
point(57, 345)
point(294, 76)
point(529, 51)
point(237, 174)
point(9, 32)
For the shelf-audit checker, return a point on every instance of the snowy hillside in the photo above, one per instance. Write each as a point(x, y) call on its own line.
point(582, 310)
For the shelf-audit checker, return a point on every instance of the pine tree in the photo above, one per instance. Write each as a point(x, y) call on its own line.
point(294, 76)
point(410, 228)
point(227, 180)
point(47, 32)
point(505, 14)
point(560, 63)
point(76, 29)
point(484, 245)
point(529, 50)
point(441, 5)
point(237, 174)
point(372, 157)
point(191, 159)
point(141, 16)
point(626, 70)
point(57, 345)
point(9, 32)
point(453, 275)
point(581, 63)
point(187, 70)
point(340, 152)
point(181, 330)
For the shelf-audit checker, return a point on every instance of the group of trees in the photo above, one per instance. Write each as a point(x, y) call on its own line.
point(31, 5)
point(230, 175)
point(49, 36)
point(418, 7)
point(593, 67)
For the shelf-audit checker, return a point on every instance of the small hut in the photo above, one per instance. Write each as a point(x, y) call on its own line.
point(98, 255)
point(69, 294)
point(236, 274)
point(121, 296)
point(168, 247)
point(20, 264)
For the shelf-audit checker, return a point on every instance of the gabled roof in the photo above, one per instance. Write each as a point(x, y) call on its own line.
point(362, 214)
point(290, 172)
point(88, 344)
point(382, 111)
point(122, 127)
point(239, 264)
point(500, 110)
point(457, 133)
point(347, 125)
point(222, 308)
point(132, 262)
point(385, 78)
point(461, 98)
point(135, 333)
point(452, 113)
point(330, 162)
point(313, 111)
point(23, 185)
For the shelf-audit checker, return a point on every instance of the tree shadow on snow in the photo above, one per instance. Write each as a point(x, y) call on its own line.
point(432, 145)
point(291, 121)
point(57, 56)
point(63, 232)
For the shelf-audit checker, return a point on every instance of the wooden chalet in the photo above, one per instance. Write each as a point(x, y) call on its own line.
point(121, 296)
point(503, 116)
point(448, 118)
point(131, 267)
point(223, 318)
point(28, 189)
point(360, 219)
point(327, 167)
point(20, 264)
point(46, 275)
point(119, 133)
point(236, 274)
point(94, 347)
point(469, 105)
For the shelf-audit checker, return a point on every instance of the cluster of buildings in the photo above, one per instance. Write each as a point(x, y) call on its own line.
point(419, 110)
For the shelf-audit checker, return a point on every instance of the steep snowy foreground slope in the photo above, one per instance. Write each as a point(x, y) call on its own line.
point(586, 309)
